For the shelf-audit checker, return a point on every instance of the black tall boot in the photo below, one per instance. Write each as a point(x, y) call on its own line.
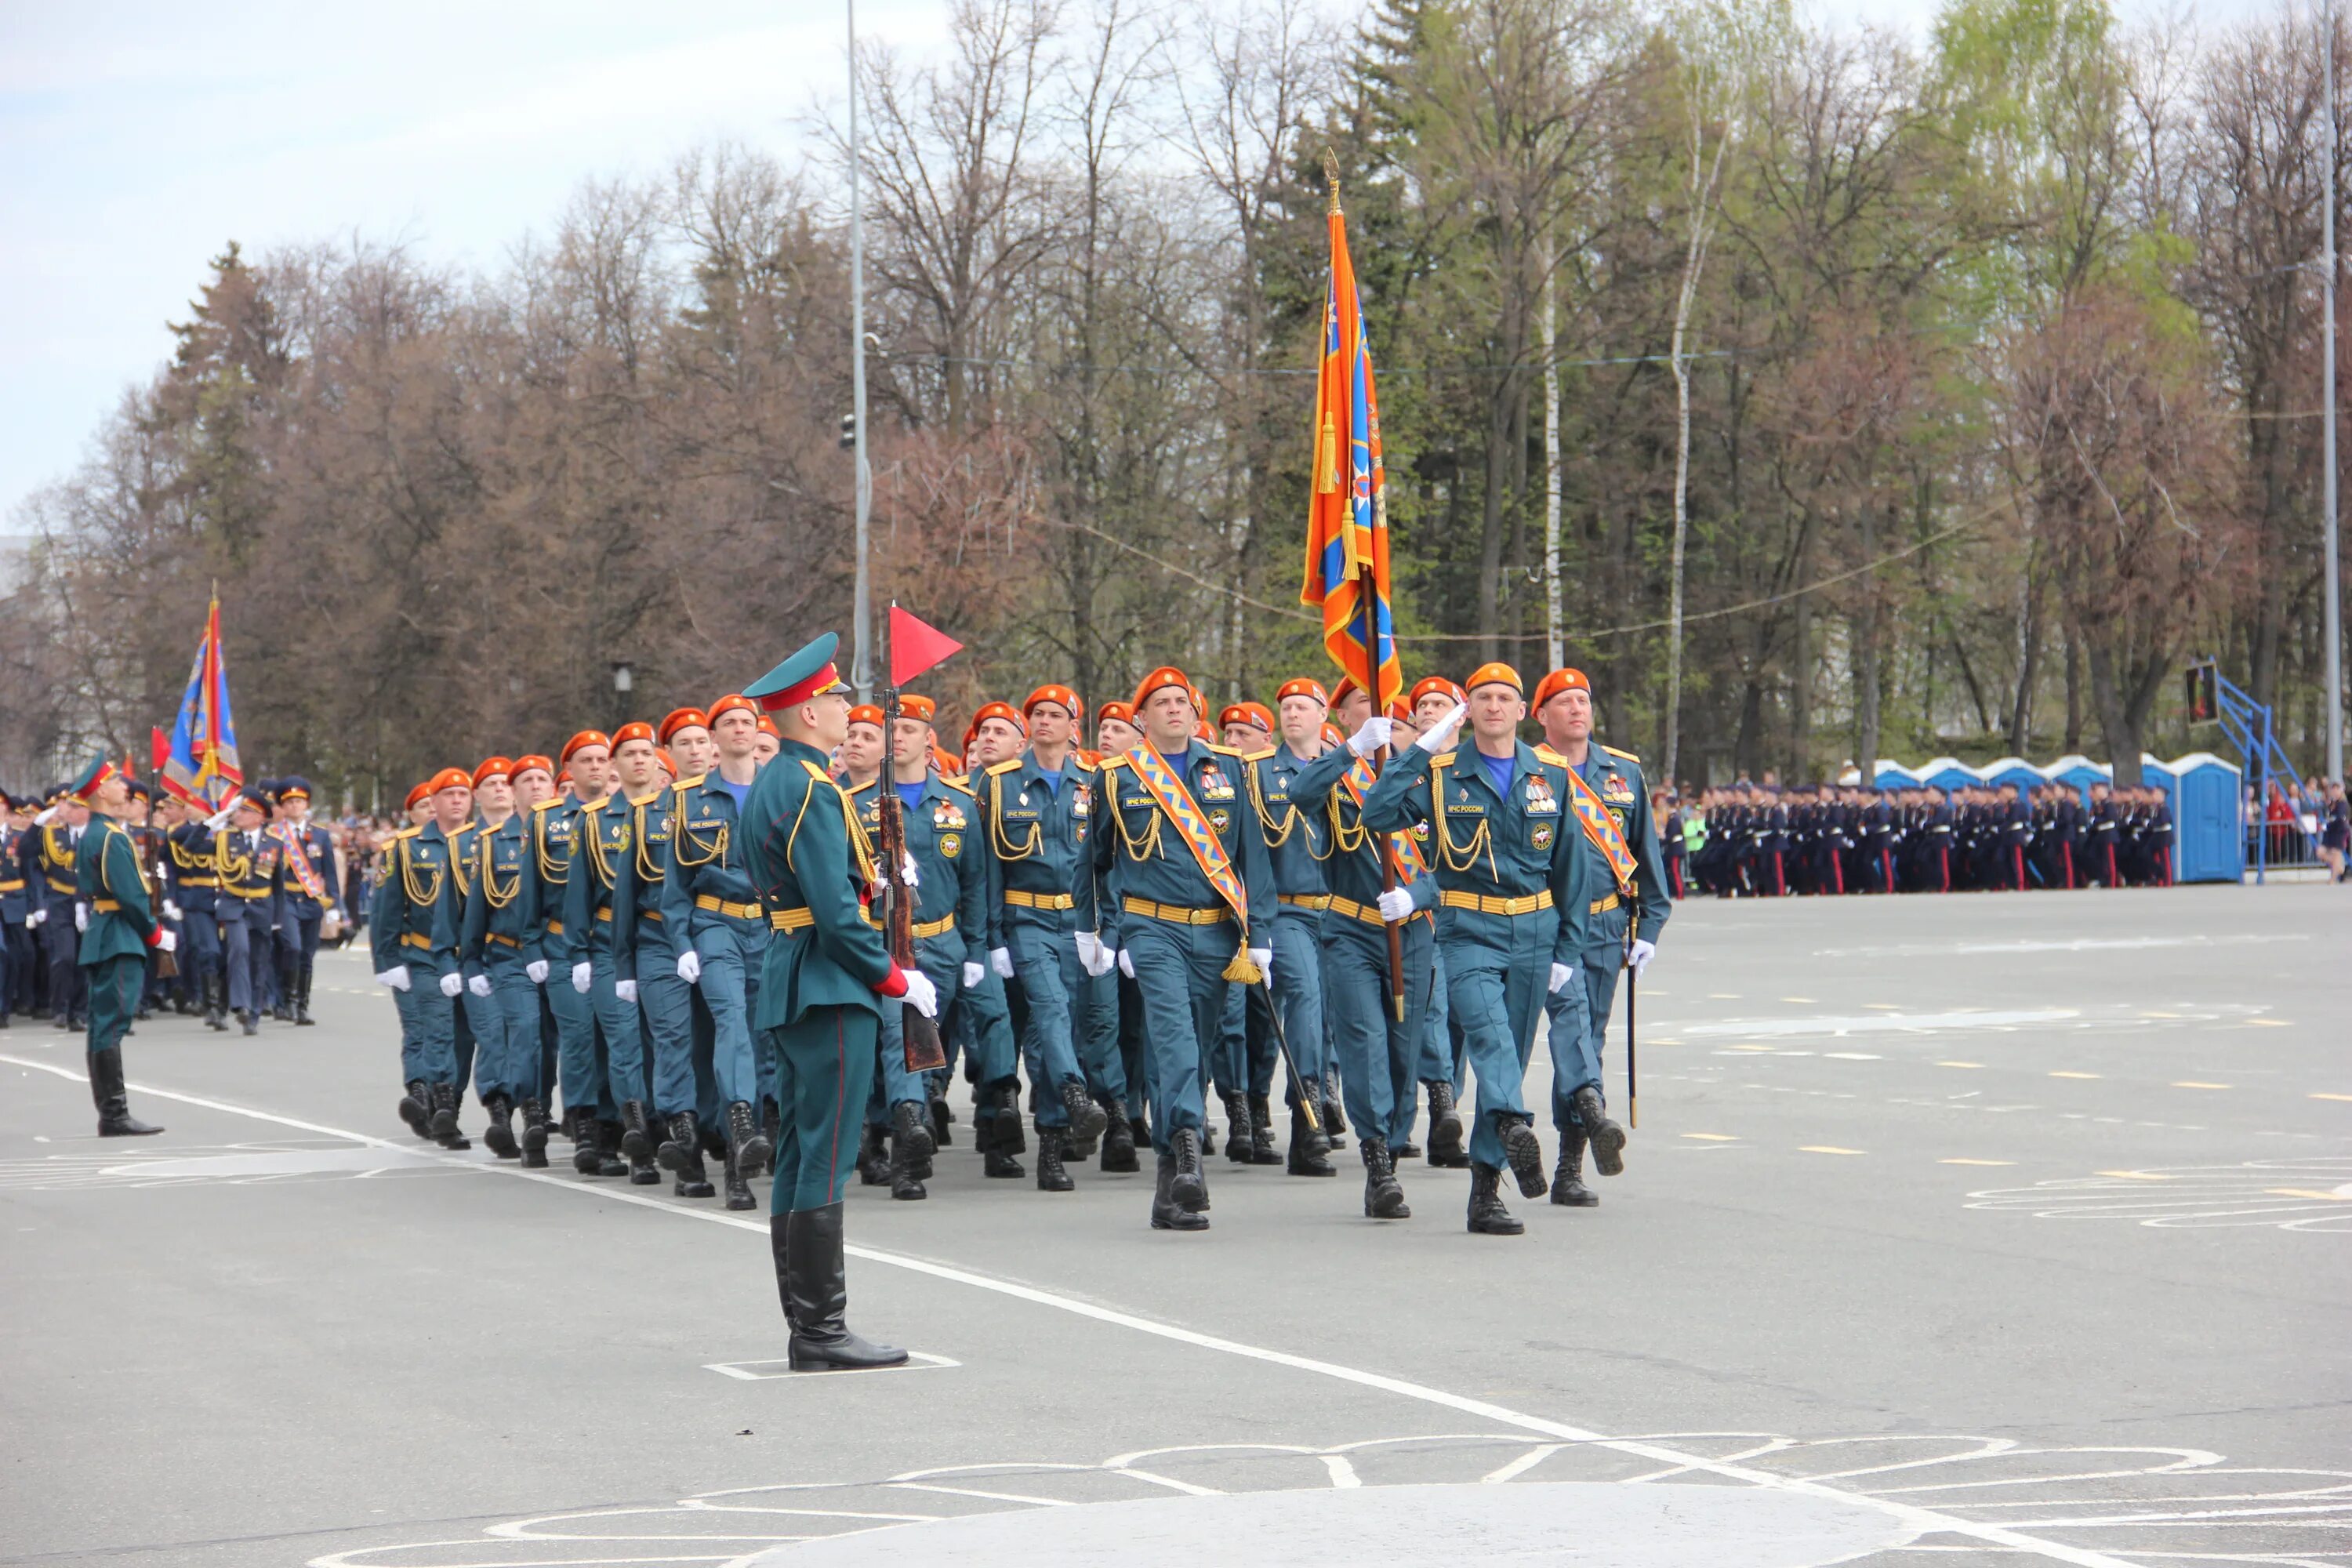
point(302, 994)
point(1305, 1159)
point(636, 1136)
point(1521, 1148)
point(585, 1158)
point(1088, 1120)
point(1445, 1151)
point(1567, 1188)
point(416, 1108)
point(1238, 1129)
point(282, 1009)
point(941, 1114)
point(873, 1156)
point(1607, 1138)
point(217, 1005)
point(1383, 1194)
point(738, 1177)
point(445, 1117)
point(1188, 1186)
point(534, 1135)
point(1167, 1213)
point(1008, 1140)
point(748, 1148)
point(609, 1159)
point(497, 1134)
point(1487, 1215)
point(815, 1290)
point(910, 1132)
point(1119, 1141)
point(1002, 1128)
point(681, 1155)
point(1335, 1117)
point(107, 1092)
point(1051, 1177)
point(1262, 1149)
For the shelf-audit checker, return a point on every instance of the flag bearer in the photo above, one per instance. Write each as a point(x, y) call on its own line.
point(314, 891)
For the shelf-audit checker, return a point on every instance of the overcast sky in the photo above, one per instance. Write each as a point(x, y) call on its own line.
point(138, 137)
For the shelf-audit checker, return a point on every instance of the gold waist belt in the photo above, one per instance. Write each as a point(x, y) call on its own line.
point(1021, 900)
point(1306, 901)
point(1368, 913)
point(1493, 904)
point(1177, 914)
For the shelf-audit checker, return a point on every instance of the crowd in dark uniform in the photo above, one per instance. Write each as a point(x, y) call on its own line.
point(1752, 840)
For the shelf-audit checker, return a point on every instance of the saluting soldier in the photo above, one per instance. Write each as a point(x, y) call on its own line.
point(644, 950)
point(494, 948)
point(1611, 807)
point(1515, 889)
point(706, 893)
point(828, 976)
point(114, 906)
point(1182, 891)
point(314, 891)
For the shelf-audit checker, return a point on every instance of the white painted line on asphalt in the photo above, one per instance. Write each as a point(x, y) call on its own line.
point(1925, 1521)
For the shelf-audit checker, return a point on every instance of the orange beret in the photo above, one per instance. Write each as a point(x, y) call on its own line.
point(668, 763)
point(865, 713)
point(1345, 690)
point(449, 778)
point(1331, 736)
point(1053, 693)
point(631, 731)
point(1558, 681)
point(1496, 674)
point(999, 710)
point(944, 762)
point(1247, 714)
point(523, 764)
point(1160, 679)
point(678, 719)
point(1304, 687)
point(914, 705)
point(768, 727)
point(585, 738)
point(493, 768)
point(1118, 710)
point(1428, 683)
point(418, 794)
point(734, 702)
point(1401, 712)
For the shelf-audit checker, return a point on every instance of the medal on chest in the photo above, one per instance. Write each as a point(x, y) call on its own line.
point(1542, 802)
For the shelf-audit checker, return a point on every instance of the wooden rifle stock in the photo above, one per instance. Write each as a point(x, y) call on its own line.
point(920, 1036)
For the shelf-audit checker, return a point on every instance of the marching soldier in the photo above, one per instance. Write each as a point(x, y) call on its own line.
point(1612, 809)
point(495, 948)
point(1517, 890)
point(245, 912)
point(644, 948)
point(114, 906)
point(313, 892)
point(706, 893)
point(590, 950)
point(416, 951)
point(15, 903)
point(828, 976)
point(589, 1113)
point(1182, 889)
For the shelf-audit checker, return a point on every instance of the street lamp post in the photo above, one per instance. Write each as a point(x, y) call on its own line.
point(861, 664)
point(624, 680)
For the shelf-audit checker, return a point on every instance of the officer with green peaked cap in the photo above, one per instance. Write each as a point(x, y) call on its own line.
point(115, 909)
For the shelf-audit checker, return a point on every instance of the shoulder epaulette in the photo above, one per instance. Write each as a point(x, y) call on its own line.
point(1109, 763)
point(1615, 752)
point(686, 784)
point(1543, 749)
point(1257, 756)
point(957, 784)
point(1441, 758)
point(1006, 766)
point(596, 805)
point(410, 831)
point(550, 804)
point(817, 772)
point(1226, 750)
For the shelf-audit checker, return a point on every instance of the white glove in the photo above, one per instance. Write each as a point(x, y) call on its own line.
point(690, 967)
point(480, 986)
point(973, 974)
point(906, 872)
point(921, 994)
point(336, 913)
point(582, 978)
point(1127, 963)
point(626, 990)
point(396, 977)
point(165, 941)
point(1264, 958)
point(1371, 735)
point(1095, 958)
point(81, 917)
point(35, 917)
point(1560, 975)
point(1396, 905)
point(1000, 959)
point(452, 983)
point(1439, 737)
point(537, 969)
point(1639, 959)
point(171, 910)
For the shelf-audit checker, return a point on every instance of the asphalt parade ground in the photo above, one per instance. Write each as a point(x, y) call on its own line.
point(2002, 1229)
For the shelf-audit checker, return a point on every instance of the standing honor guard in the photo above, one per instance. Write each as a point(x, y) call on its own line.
point(56, 845)
point(494, 949)
point(708, 895)
point(415, 947)
point(1187, 921)
point(827, 977)
point(1515, 889)
point(1612, 816)
point(112, 906)
point(313, 893)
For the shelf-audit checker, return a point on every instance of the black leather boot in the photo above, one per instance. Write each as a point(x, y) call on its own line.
point(1167, 1213)
point(445, 1117)
point(1088, 1120)
point(217, 1004)
point(252, 1023)
point(935, 1108)
point(497, 1134)
point(416, 1108)
point(109, 1093)
point(1009, 1138)
point(609, 1160)
point(739, 1185)
point(681, 1155)
point(1320, 1141)
point(1051, 1177)
point(1187, 1188)
point(1608, 1139)
point(303, 994)
point(907, 1171)
point(714, 1137)
point(816, 1297)
point(873, 1156)
point(1305, 1161)
point(1262, 1149)
point(1567, 1188)
point(1335, 1119)
point(585, 1158)
point(1522, 1149)
point(1487, 1215)
point(1383, 1194)
point(1119, 1141)
point(749, 1149)
point(1445, 1151)
point(637, 1137)
point(534, 1135)
point(1237, 1130)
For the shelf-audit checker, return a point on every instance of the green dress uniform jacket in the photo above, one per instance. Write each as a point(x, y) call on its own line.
point(112, 885)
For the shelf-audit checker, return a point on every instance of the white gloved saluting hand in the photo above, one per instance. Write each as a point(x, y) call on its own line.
point(1439, 737)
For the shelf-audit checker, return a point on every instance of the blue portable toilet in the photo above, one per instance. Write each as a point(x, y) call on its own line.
point(1949, 772)
point(2207, 846)
point(2014, 771)
point(2079, 773)
point(1894, 775)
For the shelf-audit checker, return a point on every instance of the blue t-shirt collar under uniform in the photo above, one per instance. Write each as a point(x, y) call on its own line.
point(1499, 770)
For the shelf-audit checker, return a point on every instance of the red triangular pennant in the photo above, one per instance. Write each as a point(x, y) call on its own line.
point(916, 646)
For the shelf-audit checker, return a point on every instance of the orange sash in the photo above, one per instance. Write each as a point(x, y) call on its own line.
point(1602, 828)
point(1161, 782)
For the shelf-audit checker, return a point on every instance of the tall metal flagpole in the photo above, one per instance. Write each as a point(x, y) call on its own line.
point(861, 622)
point(2327, 405)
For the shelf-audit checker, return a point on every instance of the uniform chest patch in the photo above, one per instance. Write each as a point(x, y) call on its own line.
point(950, 846)
point(1219, 819)
point(1539, 834)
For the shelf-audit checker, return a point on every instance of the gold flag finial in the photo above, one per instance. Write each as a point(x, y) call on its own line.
point(1331, 175)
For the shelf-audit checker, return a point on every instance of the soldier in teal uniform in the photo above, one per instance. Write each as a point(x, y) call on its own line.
point(827, 976)
point(706, 893)
point(600, 849)
point(589, 1114)
point(644, 950)
point(415, 947)
point(495, 948)
point(114, 906)
point(1513, 896)
point(1182, 894)
point(1623, 933)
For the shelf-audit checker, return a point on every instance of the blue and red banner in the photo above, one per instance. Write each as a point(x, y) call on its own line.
point(201, 766)
point(1347, 517)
